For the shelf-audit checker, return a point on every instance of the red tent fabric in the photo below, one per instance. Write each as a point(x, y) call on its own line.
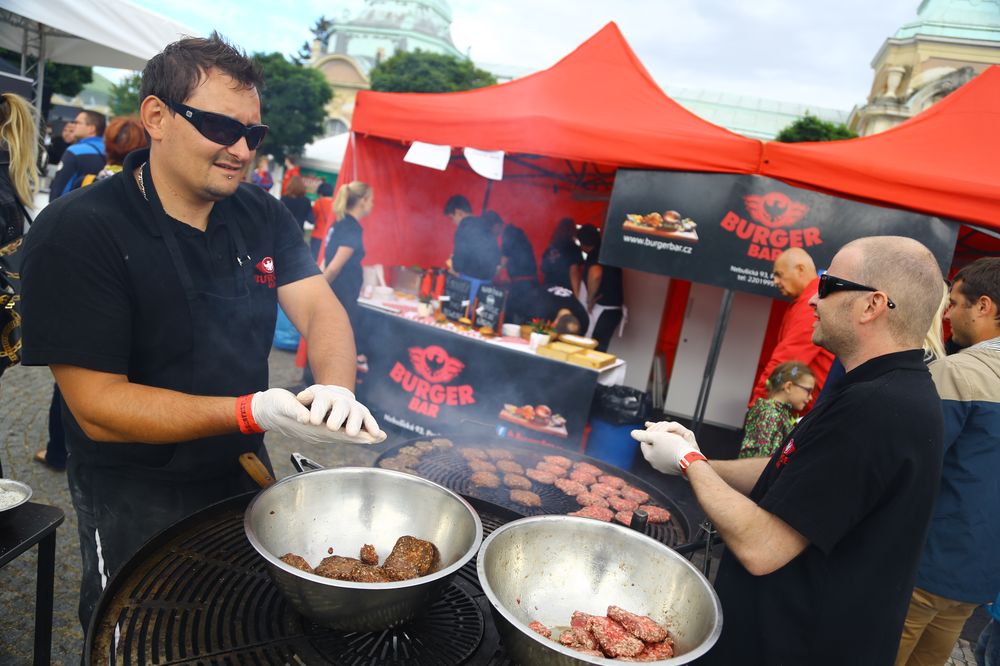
point(564, 130)
point(942, 162)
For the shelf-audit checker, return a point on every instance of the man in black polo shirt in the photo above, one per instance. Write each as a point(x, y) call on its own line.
point(824, 537)
point(152, 296)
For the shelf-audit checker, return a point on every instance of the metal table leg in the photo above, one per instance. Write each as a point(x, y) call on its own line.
point(44, 582)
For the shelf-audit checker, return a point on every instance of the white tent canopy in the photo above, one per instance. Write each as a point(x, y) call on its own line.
point(90, 32)
point(326, 154)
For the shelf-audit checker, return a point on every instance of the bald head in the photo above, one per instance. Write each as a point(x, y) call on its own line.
point(793, 271)
point(909, 274)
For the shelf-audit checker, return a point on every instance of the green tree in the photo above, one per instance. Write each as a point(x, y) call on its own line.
point(421, 71)
point(293, 104)
point(321, 30)
point(124, 99)
point(67, 80)
point(811, 128)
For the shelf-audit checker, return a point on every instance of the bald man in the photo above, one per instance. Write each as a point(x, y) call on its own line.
point(823, 538)
point(795, 277)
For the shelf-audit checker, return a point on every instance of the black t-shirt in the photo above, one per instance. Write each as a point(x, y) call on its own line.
point(100, 290)
point(347, 233)
point(548, 301)
point(300, 208)
point(556, 262)
point(610, 293)
point(857, 477)
point(520, 255)
point(476, 251)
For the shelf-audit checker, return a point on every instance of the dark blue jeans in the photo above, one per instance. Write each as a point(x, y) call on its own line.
point(988, 646)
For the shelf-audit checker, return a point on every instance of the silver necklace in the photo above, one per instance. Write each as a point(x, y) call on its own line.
point(142, 187)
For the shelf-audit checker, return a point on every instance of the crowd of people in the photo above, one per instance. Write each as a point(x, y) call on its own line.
point(859, 517)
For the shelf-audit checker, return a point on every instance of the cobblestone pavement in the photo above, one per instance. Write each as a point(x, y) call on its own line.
point(25, 394)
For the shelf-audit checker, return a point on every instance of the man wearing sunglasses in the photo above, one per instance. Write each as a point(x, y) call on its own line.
point(822, 539)
point(153, 297)
point(795, 277)
point(960, 566)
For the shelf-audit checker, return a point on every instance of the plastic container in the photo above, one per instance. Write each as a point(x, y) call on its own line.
point(612, 443)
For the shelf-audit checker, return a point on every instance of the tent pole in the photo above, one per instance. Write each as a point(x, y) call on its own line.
point(40, 85)
point(486, 197)
point(713, 359)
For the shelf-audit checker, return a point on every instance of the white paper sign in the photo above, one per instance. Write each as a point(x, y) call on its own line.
point(487, 163)
point(428, 155)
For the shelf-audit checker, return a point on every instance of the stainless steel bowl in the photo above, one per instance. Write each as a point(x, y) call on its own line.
point(15, 495)
point(546, 567)
point(343, 509)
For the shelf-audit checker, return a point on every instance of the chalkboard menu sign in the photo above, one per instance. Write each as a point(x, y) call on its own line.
point(455, 299)
point(490, 302)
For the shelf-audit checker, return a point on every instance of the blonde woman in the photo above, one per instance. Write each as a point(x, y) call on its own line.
point(18, 159)
point(934, 340)
point(345, 248)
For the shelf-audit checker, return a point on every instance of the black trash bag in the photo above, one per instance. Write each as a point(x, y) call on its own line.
point(621, 405)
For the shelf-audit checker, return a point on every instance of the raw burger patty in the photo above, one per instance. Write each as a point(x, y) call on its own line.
point(561, 461)
point(500, 454)
point(485, 480)
point(603, 490)
point(624, 517)
point(525, 498)
point(613, 481)
point(640, 626)
point(540, 476)
point(516, 481)
point(621, 504)
point(296, 561)
point(482, 466)
point(540, 628)
point(615, 641)
point(591, 499)
point(368, 554)
point(570, 487)
point(634, 494)
point(656, 514)
point(586, 478)
point(587, 468)
point(473, 454)
point(598, 512)
point(510, 467)
point(555, 470)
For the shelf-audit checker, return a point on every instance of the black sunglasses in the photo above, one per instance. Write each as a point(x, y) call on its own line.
point(219, 128)
point(829, 284)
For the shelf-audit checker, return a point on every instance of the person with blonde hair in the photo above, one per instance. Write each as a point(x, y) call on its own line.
point(345, 247)
point(18, 156)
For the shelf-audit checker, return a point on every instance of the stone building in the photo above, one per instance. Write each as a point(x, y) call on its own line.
point(946, 46)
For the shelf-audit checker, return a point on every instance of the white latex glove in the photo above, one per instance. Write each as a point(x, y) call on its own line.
point(340, 409)
point(280, 411)
point(676, 428)
point(663, 449)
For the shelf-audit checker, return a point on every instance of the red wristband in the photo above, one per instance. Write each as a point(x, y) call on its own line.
point(244, 415)
point(691, 457)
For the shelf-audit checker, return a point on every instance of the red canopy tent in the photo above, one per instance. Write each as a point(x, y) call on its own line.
point(564, 131)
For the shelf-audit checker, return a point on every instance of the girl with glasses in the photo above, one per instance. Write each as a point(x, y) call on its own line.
point(790, 388)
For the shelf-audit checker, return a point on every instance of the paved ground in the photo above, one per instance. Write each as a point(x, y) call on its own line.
point(25, 395)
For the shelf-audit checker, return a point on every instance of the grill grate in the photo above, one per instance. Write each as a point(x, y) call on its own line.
point(199, 594)
point(448, 468)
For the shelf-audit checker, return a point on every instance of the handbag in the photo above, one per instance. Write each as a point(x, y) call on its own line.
point(10, 301)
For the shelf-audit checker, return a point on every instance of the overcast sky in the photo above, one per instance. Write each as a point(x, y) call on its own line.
point(815, 52)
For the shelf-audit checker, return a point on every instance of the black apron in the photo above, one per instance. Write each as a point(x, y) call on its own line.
point(127, 505)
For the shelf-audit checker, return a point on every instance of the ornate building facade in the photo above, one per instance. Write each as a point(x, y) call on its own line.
point(946, 46)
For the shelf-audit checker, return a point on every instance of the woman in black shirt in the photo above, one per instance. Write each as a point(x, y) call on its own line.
point(345, 248)
point(562, 262)
point(605, 295)
point(298, 203)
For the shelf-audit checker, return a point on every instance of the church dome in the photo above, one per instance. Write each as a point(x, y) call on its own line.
point(956, 19)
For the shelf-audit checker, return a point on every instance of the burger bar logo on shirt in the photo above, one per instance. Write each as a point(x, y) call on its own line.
point(768, 230)
point(265, 272)
point(786, 454)
point(429, 383)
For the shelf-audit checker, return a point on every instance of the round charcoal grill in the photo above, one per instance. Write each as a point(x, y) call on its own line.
point(448, 468)
point(198, 593)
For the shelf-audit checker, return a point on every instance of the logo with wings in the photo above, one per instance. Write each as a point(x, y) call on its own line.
point(774, 209)
point(265, 265)
point(434, 364)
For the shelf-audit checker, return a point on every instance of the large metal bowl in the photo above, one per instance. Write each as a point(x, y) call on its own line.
point(546, 567)
point(13, 495)
point(343, 509)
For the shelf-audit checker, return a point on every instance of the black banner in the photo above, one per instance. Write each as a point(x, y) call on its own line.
point(727, 229)
point(428, 380)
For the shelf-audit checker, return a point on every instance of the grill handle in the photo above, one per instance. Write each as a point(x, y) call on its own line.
point(639, 520)
point(303, 464)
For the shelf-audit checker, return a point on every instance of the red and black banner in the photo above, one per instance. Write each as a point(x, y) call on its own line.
point(428, 380)
point(727, 229)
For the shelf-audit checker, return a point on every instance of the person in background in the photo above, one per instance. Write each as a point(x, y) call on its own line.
point(291, 171)
point(518, 269)
point(86, 156)
point(988, 646)
point(476, 255)
point(297, 202)
point(261, 176)
point(323, 215)
point(123, 135)
point(19, 179)
point(59, 143)
point(562, 261)
point(960, 566)
point(152, 297)
point(770, 419)
point(345, 248)
point(795, 277)
point(605, 292)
